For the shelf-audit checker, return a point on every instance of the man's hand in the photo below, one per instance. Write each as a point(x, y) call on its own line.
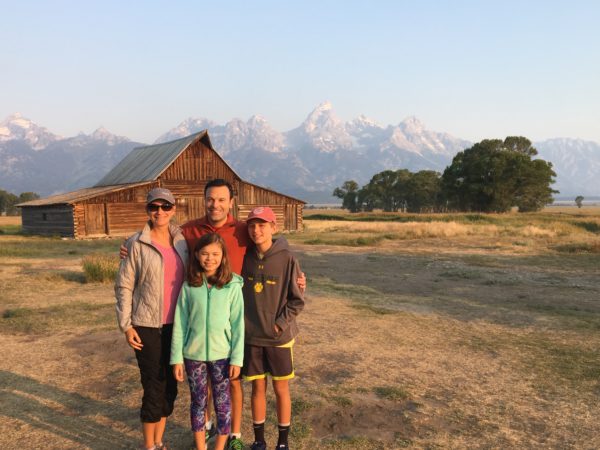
point(234, 371)
point(178, 372)
point(301, 281)
point(133, 339)
point(123, 251)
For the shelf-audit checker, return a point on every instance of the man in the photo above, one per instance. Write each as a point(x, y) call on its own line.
point(218, 202)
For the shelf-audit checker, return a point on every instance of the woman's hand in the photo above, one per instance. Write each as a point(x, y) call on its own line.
point(123, 251)
point(301, 282)
point(234, 372)
point(178, 372)
point(133, 339)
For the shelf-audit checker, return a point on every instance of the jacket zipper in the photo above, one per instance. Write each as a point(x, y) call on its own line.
point(207, 315)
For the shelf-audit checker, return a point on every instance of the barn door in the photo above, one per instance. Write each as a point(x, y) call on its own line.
point(95, 219)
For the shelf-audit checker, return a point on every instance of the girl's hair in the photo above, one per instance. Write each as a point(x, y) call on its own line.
point(195, 271)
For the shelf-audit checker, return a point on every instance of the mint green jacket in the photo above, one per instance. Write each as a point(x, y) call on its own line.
point(209, 323)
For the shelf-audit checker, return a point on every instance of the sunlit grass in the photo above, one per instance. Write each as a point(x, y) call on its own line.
point(49, 247)
point(531, 232)
point(100, 268)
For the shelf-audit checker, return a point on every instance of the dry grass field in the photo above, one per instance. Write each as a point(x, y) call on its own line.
point(428, 332)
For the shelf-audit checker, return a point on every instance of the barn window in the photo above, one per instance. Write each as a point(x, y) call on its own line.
point(44, 217)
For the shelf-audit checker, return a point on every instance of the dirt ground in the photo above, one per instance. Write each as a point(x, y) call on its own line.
point(398, 349)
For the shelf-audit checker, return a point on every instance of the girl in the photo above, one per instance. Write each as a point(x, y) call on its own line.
point(208, 335)
point(146, 289)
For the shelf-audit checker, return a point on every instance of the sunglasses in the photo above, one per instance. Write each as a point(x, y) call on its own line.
point(153, 207)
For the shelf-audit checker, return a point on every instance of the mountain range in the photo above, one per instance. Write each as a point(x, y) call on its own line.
point(307, 162)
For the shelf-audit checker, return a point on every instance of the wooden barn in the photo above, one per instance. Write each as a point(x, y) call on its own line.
point(115, 206)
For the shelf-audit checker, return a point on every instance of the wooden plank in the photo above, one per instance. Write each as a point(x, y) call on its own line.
point(244, 210)
point(195, 207)
point(95, 219)
point(48, 220)
point(127, 217)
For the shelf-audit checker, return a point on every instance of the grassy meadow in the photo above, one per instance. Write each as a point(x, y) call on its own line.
point(420, 331)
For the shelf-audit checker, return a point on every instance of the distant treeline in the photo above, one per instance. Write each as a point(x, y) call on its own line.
point(8, 200)
point(491, 176)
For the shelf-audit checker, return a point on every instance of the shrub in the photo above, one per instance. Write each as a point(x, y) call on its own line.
point(100, 268)
point(592, 227)
point(579, 247)
point(391, 393)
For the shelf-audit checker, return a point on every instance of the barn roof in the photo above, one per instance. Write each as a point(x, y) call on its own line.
point(69, 198)
point(147, 163)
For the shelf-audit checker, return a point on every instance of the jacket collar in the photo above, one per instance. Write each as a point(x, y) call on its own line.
point(146, 238)
point(203, 221)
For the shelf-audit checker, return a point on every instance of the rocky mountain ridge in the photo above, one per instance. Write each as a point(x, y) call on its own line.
point(308, 161)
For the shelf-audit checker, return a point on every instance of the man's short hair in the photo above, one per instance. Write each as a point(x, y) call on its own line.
point(217, 182)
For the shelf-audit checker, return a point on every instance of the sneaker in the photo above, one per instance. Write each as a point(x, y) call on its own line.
point(282, 447)
point(234, 443)
point(161, 446)
point(210, 433)
point(259, 446)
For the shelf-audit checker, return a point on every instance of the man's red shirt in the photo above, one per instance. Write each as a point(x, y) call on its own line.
point(233, 232)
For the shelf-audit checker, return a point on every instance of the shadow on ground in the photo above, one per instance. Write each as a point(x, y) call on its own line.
point(82, 420)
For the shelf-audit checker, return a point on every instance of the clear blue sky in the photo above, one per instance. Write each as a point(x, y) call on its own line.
point(474, 69)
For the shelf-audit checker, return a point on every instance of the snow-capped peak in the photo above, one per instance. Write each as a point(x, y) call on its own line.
point(17, 127)
point(323, 129)
point(322, 117)
point(324, 106)
point(361, 125)
point(18, 120)
point(185, 128)
point(412, 125)
point(102, 134)
point(257, 121)
point(365, 121)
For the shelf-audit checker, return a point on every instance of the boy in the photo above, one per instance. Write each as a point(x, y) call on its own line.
point(272, 300)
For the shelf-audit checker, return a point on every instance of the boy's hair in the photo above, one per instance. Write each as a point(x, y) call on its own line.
point(217, 182)
point(195, 270)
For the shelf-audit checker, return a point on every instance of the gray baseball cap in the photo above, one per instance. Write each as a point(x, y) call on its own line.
point(160, 194)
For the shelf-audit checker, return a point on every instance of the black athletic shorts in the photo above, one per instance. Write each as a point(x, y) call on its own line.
point(262, 361)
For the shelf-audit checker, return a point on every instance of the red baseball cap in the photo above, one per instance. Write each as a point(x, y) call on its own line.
point(263, 213)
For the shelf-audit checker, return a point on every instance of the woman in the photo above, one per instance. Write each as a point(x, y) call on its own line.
point(146, 289)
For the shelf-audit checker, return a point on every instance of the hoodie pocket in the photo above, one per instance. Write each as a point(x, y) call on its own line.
point(266, 325)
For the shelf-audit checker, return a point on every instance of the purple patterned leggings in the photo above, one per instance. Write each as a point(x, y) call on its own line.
point(197, 375)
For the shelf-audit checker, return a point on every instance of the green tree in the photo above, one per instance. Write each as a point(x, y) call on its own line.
point(348, 192)
point(495, 175)
point(387, 190)
point(384, 189)
point(401, 189)
point(8, 201)
point(367, 199)
point(519, 144)
point(579, 201)
point(423, 191)
point(27, 197)
point(533, 189)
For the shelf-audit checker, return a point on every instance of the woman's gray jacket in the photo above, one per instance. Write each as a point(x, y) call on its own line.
point(139, 285)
